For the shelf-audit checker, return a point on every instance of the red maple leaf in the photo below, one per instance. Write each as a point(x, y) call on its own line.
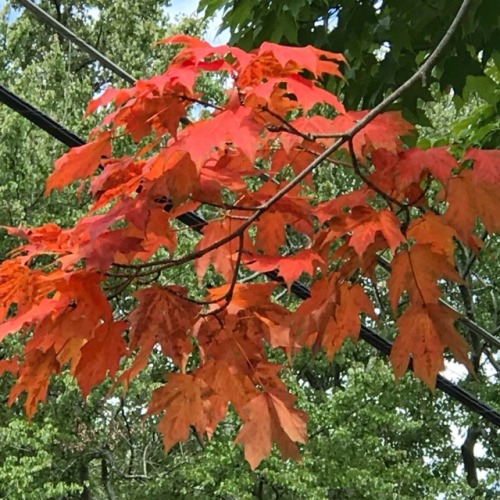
point(486, 166)
point(79, 162)
point(425, 331)
point(266, 419)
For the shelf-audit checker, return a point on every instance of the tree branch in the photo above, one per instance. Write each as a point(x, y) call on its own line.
point(473, 434)
point(346, 137)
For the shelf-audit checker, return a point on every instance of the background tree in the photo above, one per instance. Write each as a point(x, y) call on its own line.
point(203, 473)
point(384, 42)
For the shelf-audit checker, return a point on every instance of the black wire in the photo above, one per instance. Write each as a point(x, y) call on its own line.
point(384, 346)
point(197, 223)
point(39, 119)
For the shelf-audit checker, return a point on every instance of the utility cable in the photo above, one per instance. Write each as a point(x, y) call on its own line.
point(39, 119)
point(66, 32)
point(197, 223)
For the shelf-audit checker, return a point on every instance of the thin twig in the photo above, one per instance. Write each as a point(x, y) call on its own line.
point(200, 101)
point(229, 294)
point(346, 137)
point(369, 183)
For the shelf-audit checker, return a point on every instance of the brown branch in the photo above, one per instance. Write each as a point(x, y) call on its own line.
point(467, 449)
point(229, 294)
point(200, 101)
point(388, 198)
point(494, 363)
point(473, 257)
point(198, 437)
point(331, 160)
point(227, 206)
point(346, 137)
point(288, 127)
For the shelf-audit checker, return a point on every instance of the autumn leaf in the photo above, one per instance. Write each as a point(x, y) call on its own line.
point(432, 229)
point(401, 174)
point(345, 322)
point(290, 267)
point(486, 166)
point(266, 419)
point(384, 131)
point(100, 355)
point(315, 60)
point(33, 378)
point(469, 200)
point(337, 206)
point(79, 162)
point(182, 398)
point(424, 332)
point(238, 128)
point(263, 317)
point(222, 258)
point(277, 93)
point(34, 315)
point(417, 271)
point(110, 95)
point(9, 366)
point(161, 317)
point(311, 318)
point(364, 223)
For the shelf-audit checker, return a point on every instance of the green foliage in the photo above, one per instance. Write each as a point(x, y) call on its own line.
point(367, 440)
point(384, 42)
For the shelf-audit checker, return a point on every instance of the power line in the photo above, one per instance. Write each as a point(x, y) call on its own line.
point(472, 326)
point(39, 119)
point(64, 31)
point(197, 223)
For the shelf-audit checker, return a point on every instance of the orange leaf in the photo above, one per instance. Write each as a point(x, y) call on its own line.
point(266, 419)
point(222, 258)
point(417, 271)
point(79, 163)
point(425, 330)
point(9, 365)
point(100, 355)
point(432, 229)
point(237, 127)
point(270, 232)
point(290, 267)
point(315, 60)
point(161, 317)
point(335, 207)
point(345, 322)
point(299, 90)
point(469, 200)
point(364, 223)
point(486, 164)
point(407, 167)
point(383, 131)
point(33, 378)
point(182, 398)
point(311, 318)
point(37, 312)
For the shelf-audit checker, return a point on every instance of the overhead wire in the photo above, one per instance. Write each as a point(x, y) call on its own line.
point(66, 32)
point(197, 223)
point(39, 119)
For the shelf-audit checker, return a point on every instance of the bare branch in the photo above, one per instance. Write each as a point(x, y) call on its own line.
point(389, 199)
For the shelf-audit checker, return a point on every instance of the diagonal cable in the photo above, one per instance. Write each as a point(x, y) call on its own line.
point(197, 223)
point(67, 33)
